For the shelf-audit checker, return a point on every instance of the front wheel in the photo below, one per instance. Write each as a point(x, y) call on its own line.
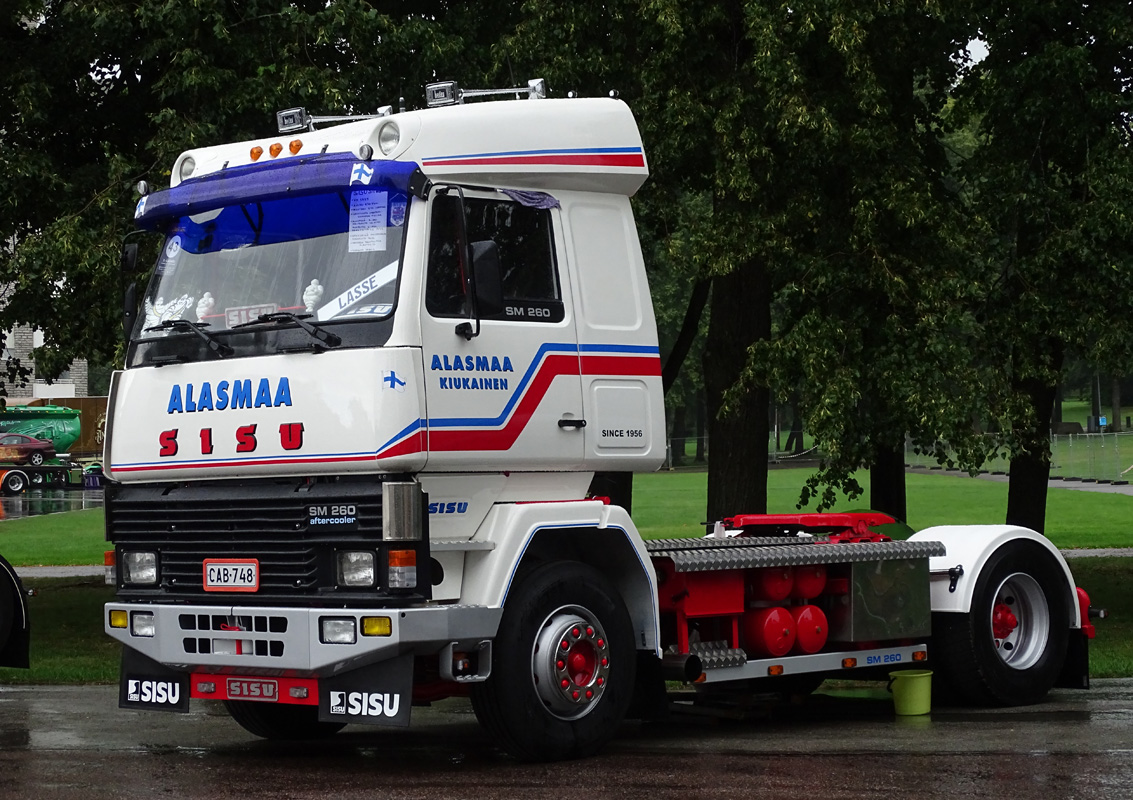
point(1009, 649)
point(36, 459)
point(563, 665)
point(281, 722)
point(14, 482)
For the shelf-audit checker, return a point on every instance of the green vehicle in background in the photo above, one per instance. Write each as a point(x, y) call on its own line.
point(56, 424)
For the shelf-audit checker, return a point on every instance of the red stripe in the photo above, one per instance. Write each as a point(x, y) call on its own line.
point(611, 160)
point(621, 365)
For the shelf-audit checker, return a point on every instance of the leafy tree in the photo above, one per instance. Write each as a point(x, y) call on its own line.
point(1052, 176)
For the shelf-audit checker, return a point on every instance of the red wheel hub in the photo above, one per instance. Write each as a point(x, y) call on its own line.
point(1003, 621)
point(580, 663)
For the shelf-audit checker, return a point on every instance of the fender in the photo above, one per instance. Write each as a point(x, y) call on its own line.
point(970, 546)
point(589, 531)
point(14, 651)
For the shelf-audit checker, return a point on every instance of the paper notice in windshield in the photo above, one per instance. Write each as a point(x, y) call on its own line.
point(368, 212)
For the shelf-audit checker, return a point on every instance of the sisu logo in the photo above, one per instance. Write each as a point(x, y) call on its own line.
point(158, 692)
point(457, 507)
point(365, 704)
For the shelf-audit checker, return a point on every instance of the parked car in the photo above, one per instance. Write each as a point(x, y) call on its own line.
point(20, 449)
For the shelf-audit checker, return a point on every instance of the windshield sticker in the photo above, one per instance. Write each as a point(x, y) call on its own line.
point(159, 311)
point(397, 211)
point(368, 221)
point(242, 315)
point(364, 287)
point(361, 174)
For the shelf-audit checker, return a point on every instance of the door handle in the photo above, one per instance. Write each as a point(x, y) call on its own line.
point(572, 423)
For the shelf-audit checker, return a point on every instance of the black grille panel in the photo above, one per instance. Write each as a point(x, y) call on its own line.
point(265, 520)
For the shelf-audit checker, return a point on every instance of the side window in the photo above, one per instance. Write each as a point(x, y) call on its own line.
point(525, 244)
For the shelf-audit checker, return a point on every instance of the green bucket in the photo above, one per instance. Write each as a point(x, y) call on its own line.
point(912, 691)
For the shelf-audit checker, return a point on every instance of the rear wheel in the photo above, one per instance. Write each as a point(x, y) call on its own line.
point(1009, 649)
point(272, 721)
point(14, 482)
point(563, 666)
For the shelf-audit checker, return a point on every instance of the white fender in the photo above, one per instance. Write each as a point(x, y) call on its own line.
point(970, 546)
point(510, 529)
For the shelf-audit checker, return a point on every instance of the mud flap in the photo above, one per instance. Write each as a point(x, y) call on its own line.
point(380, 694)
point(1076, 669)
point(147, 685)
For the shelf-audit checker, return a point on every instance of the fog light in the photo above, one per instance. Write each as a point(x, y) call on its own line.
point(139, 568)
point(119, 619)
point(377, 626)
point(142, 624)
point(337, 630)
point(355, 568)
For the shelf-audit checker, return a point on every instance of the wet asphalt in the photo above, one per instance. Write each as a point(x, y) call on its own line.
point(73, 742)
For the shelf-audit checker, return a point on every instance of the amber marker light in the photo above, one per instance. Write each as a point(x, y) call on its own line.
point(849, 663)
point(920, 655)
point(275, 149)
point(256, 152)
point(295, 146)
point(775, 669)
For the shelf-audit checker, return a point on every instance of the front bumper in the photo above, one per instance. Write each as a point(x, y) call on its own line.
point(265, 640)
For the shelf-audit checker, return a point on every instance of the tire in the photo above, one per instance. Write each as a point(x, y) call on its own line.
point(14, 482)
point(1009, 650)
point(541, 707)
point(37, 479)
point(281, 722)
point(36, 459)
point(7, 608)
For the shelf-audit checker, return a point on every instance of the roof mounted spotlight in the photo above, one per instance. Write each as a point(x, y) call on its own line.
point(448, 93)
point(292, 120)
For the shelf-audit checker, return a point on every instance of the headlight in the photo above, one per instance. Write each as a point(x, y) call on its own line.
point(139, 568)
point(337, 630)
point(388, 137)
point(355, 568)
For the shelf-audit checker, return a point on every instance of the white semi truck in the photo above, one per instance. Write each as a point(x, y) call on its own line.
point(377, 369)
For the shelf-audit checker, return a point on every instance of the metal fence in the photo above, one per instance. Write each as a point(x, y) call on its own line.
point(1087, 456)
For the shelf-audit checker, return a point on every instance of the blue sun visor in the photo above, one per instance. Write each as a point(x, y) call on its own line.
point(320, 176)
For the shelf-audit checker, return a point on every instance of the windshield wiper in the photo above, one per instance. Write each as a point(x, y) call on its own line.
point(327, 338)
point(184, 325)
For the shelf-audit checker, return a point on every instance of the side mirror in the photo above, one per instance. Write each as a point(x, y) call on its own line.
point(487, 279)
point(129, 261)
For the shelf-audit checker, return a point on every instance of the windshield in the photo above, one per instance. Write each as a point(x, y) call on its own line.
point(333, 255)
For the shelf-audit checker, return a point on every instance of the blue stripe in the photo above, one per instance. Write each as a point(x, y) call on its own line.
point(570, 151)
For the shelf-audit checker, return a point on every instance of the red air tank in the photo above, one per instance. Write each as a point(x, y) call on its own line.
point(769, 631)
point(772, 583)
point(810, 581)
point(811, 630)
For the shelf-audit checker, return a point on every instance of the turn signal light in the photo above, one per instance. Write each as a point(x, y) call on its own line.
point(256, 152)
point(119, 619)
point(377, 626)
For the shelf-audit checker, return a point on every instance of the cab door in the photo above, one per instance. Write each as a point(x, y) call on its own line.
point(509, 397)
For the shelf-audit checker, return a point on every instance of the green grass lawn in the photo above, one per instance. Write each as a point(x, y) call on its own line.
point(671, 504)
point(72, 537)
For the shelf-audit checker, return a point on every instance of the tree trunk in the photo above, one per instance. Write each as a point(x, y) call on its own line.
point(887, 482)
point(679, 436)
point(740, 314)
point(687, 335)
point(1030, 471)
point(701, 428)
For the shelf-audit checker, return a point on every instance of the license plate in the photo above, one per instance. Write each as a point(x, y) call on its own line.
point(231, 575)
point(259, 690)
